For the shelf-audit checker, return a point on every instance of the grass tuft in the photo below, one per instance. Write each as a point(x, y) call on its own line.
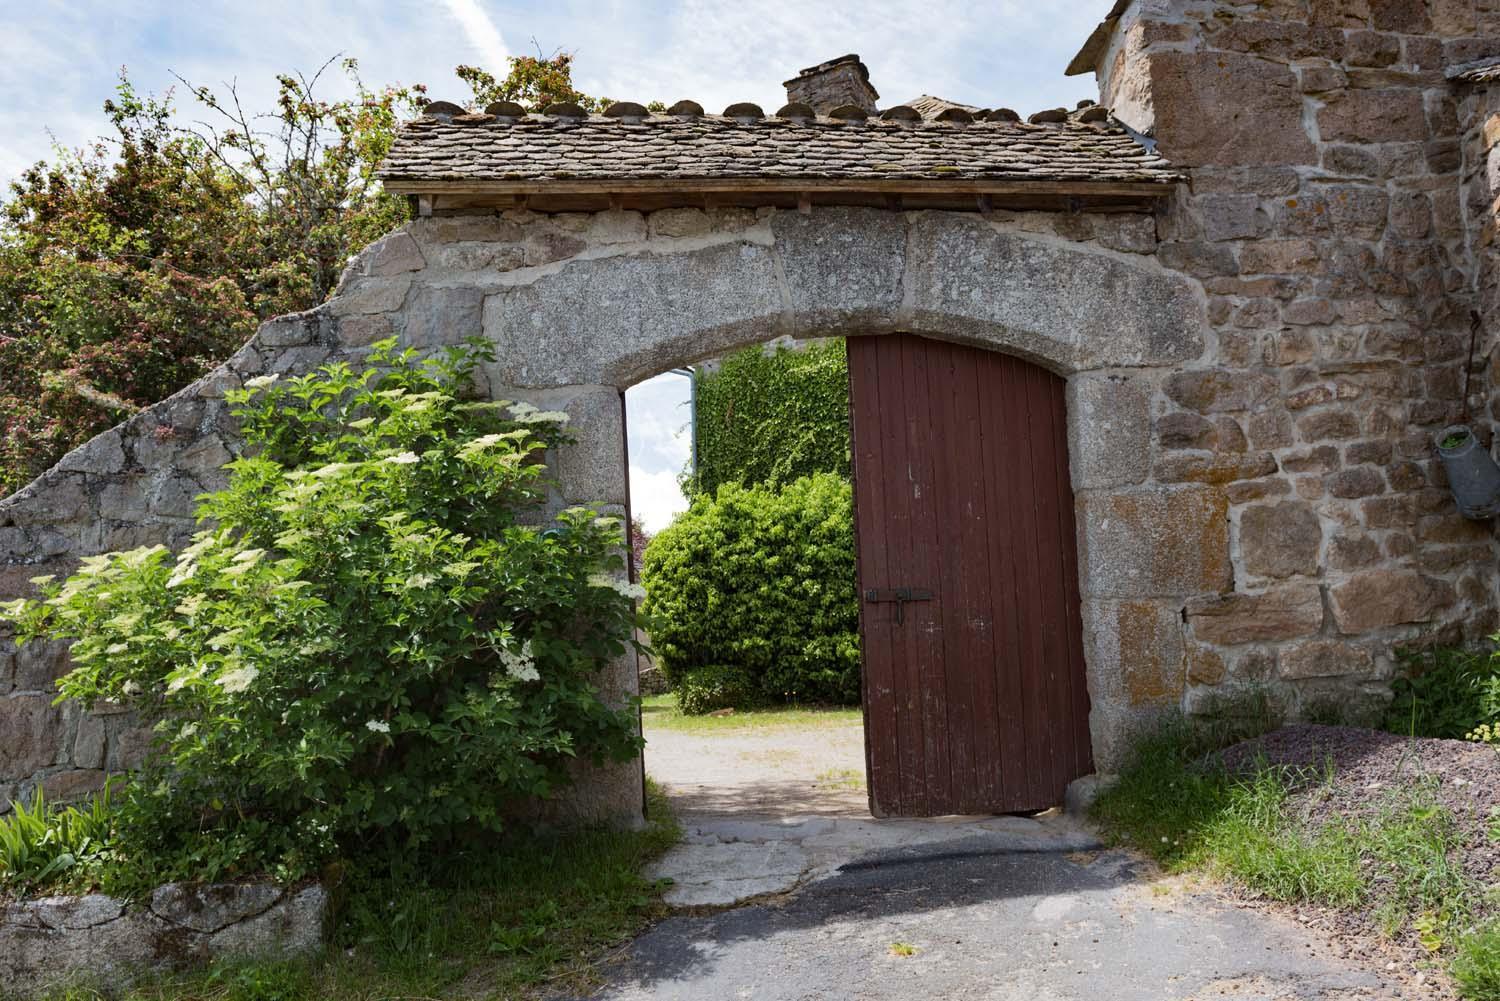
point(660, 712)
point(1477, 965)
point(1176, 803)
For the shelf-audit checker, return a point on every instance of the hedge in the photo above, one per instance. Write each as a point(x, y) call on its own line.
point(772, 418)
point(751, 596)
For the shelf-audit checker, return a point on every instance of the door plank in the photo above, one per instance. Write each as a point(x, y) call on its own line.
point(907, 670)
point(923, 619)
point(882, 752)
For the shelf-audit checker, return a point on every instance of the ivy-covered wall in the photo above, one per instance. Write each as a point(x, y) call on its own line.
point(773, 417)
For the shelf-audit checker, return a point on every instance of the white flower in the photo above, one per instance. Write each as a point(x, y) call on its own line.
point(237, 680)
point(544, 417)
point(404, 459)
point(261, 381)
point(421, 580)
point(521, 666)
point(183, 573)
point(521, 410)
point(130, 688)
point(629, 590)
point(377, 726)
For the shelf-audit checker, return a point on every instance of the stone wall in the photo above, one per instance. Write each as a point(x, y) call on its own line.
point(97, 941)
point(1323, 217)
point(581, 306)
point(1254, 372)
point(1479, 115)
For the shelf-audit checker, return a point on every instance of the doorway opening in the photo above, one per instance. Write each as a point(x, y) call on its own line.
point(752, 695)
point(962, 594)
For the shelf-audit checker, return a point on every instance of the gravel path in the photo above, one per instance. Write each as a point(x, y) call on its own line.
point(959, 923)
point(777, 771)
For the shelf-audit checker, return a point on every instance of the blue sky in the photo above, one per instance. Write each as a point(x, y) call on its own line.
point(59, 59)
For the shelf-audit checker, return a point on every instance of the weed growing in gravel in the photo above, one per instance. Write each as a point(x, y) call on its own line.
point(1411, 847)
point(1250, 840)
point(1178, 803)
point(1477, 965)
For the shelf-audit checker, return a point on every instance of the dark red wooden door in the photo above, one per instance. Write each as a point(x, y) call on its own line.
point(974, 689)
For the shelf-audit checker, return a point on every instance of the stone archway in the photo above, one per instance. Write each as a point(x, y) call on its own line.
point(581, 306)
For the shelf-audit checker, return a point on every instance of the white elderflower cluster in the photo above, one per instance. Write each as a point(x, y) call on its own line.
point(378, 726)
point(632, 591)
point(528, 414)
point(237, 680)
point(520, 665)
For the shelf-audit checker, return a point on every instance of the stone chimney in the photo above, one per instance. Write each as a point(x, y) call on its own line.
point(833, 84)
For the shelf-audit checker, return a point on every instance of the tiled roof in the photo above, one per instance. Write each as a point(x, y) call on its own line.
point(505, 145)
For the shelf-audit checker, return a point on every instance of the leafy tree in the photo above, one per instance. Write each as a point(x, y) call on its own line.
point(535, 82)
point(132, 267)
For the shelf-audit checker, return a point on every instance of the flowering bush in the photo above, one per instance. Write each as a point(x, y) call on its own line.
point(365, 642)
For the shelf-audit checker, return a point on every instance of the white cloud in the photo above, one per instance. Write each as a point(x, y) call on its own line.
point(660, 442)
point(655, 497)
point(483, 35)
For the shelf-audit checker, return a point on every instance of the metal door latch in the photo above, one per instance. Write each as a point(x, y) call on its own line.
point(900, 595)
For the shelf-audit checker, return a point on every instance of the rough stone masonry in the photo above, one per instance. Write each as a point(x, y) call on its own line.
point(1258, 355)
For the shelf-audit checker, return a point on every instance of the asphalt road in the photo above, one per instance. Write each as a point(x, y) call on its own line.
point(958, 920)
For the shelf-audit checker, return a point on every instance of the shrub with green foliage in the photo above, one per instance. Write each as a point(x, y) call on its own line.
point(44, 844)
point(368, 644)
point(751, 596)
point(1446, 693)
point(772, 418)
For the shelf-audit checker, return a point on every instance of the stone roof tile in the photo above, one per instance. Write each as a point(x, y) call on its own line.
point(541, 148)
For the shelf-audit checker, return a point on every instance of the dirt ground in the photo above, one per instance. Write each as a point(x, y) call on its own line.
point(776, 771)
point(1369, 769)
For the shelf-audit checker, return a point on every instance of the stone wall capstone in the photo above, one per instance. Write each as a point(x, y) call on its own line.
point(96, 941)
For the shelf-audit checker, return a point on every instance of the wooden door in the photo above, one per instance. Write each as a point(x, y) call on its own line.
point(974, 692)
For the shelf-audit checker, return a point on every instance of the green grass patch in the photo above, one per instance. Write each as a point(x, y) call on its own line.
point(1477, 965)
point(660, 712)
point(538, 913)
point(1401, 860)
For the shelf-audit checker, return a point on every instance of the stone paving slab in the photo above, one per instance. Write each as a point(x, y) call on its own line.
point(725, 861)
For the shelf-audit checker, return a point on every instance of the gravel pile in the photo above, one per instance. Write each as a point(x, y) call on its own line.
point(1368, 768)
